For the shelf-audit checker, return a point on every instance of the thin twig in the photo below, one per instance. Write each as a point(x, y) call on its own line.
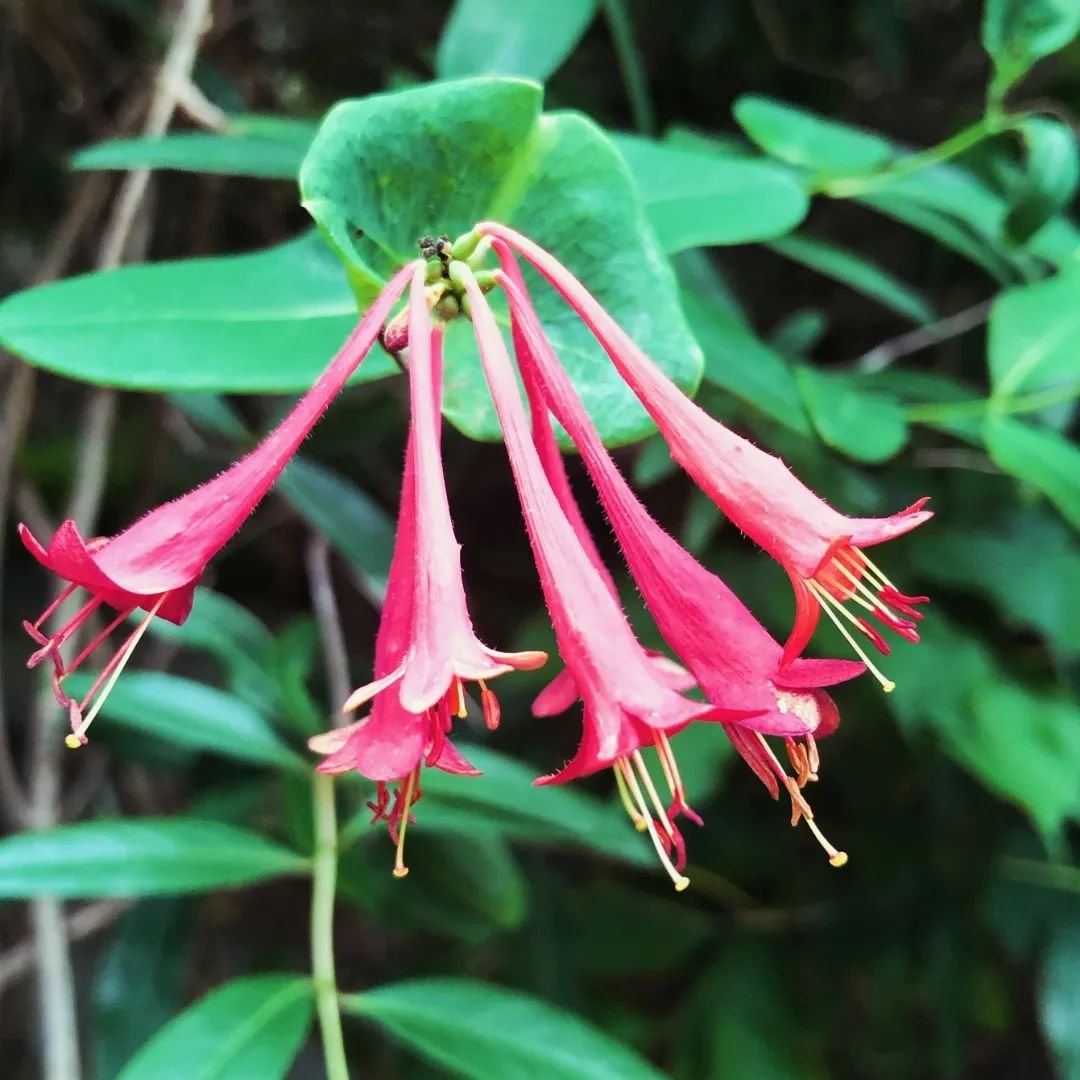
point(89, 919)
point(18, 404)
point(59, 1032)
point(880, 357)
point(175, 74)
point(324, 603)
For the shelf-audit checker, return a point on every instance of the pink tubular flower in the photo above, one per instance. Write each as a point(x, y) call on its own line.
point(733, 658)
point(426, 647)
point(155, 564)
point(626, 703)
point(390, 743)
point(821, 549)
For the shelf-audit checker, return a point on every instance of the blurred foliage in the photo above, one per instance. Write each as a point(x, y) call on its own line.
point(866, 207)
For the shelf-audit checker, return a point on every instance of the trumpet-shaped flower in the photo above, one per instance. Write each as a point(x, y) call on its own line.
point(390, 744)
point(734, 659)
point(627, 705)
point(426, 648)
point(155, 564)
point(821, 549)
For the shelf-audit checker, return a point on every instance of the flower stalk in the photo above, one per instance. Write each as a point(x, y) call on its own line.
point(324, 886)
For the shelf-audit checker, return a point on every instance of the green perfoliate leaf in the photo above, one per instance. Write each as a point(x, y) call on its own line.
point(251, 1027)
point(1016, 33)
point(477, 149)
point(267, 322)
point(865, 425)
point(192, 715)
point(1051, 174)
point(146, 857)
point(481, 1031)
point(1034, 336)
point(1039, 457)
point(530, 38)
point(799, 137)
point(696, 199)
point(859, 273)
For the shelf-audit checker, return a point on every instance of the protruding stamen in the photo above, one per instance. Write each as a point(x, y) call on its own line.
point(647, 780)
point(827, 603)
point(98, 639)
point(109, 675)
point(680, 881)
point(837, 858)
point(400, 869)
point(61, 597)
point(53, 643)
point(628, 805)
point(457, 689)
point(489, 703)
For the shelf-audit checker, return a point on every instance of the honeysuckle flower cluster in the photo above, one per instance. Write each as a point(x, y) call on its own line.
point(633, 701)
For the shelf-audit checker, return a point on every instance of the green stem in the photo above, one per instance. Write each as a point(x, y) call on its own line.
point(629, 60)
point(958, 410)
point(324, 884)
point(1036, 872)
point(844, 187)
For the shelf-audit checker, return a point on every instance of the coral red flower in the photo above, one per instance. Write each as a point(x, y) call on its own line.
point(443, 649)
point(155, 564)
point(426, 647)
point(390, 744)
point(821, 549)
point(734, 659)
point(627, 705)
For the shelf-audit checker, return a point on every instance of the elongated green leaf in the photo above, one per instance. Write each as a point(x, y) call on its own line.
point(945, 200)
point(1040, 457)
point(801, 138)
point(854, 270)
point(1035, 336)
point(865, 425)
point(1022, 744)
point(1027, 564)
point(193, 715)
point(1051, 174)
point(246, 323)
point(506, 793)
point(138, 985)
point(1016, 33)
point(271, 151)
point(482, 1031)
point(355, 525)
point(475, 149)
point(231, 634)
point(251, 1027)
point(698, 199)
point(741, 363)
point(466, 885)
point(948, 231)
point(138, 858)
point(530, 38)
point(1059, 998)
point(1037, 770)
